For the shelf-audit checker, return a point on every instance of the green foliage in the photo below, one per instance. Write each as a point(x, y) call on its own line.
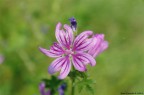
point(53, 84)
point(90, 89)
point(82, 81)
point(86, 84)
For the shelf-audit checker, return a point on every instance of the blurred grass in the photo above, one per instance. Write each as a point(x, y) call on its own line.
point(27, 24)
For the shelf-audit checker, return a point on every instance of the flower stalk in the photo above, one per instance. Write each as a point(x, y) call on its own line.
point(73, 89)
point(73, 81)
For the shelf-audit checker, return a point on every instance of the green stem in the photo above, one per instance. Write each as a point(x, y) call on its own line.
point(73, 89)
point(73, 81)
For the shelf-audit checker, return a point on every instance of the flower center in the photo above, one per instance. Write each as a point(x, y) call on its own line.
point(68, 52)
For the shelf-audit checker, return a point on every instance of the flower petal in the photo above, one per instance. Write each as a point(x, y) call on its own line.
point(65, 69)
point(58, 33)
point(78, 63)
point(104, 46)
point(57, 64)
point(87, 58)
point(84, 46)
point(98, 45)
point(55, 51)
point(82, 42)
point(65, 38)
point(69, 33)
point(78, 56)
point(95, 46)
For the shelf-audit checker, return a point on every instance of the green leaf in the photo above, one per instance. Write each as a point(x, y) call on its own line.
point(80, 88)
point(76, 74)
point(90, 89)
point(85, 83)
point(81, 81)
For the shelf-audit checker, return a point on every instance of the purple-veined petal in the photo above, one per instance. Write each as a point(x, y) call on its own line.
point(57, 48)
point(69, 33)
point(85, 45)
point(78, 56)
point(101, 36)
point(98, 45)
point(57, 64)
point(82, 42)
point(88, 58)
point(103, 46)
point(82, 37)
point(65, 69)
point(65, 38)
point(47, 52)
point(78, 63)
point(59, 33)
point(52, 52)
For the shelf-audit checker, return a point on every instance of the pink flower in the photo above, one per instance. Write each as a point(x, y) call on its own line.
point(69, 50)
point(98, 45)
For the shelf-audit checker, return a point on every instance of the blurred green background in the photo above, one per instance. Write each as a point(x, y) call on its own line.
point(27, 24)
